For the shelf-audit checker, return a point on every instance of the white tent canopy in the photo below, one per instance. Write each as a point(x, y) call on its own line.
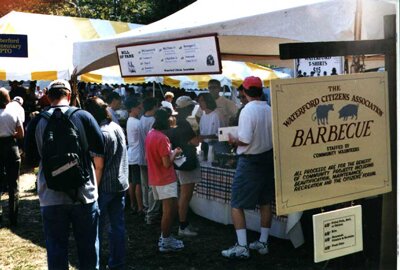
point(50, 40)
point(247, 28)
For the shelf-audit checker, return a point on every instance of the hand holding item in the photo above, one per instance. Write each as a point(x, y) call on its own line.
point(231, 139)
point(177, 151)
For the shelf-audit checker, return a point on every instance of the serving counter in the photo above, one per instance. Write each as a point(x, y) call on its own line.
point(212, 197)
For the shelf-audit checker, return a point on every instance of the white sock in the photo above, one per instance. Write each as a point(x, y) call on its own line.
point(242, 237)
point(264, 234)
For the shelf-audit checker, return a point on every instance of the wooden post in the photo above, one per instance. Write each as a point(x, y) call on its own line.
point(388, 248)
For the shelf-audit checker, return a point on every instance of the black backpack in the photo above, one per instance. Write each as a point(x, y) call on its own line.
point(64, 153)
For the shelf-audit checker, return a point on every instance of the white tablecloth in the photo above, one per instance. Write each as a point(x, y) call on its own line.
point(212, 201)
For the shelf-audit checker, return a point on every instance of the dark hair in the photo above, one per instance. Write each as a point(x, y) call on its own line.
point(185, 111)
point(209, 100)
point(132, 102)
point(149, 103)
point(98, 108)
point(214, 81)
point(57, 93)
point(254, 92)
point(161, 122)
point(4, 98)
point(112, 96)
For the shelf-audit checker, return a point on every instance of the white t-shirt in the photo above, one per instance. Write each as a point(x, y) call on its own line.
point(9, 121)
point(132, 134)
point(255, 128)
point(167, 104)
point(209, 124)
point(15, 108)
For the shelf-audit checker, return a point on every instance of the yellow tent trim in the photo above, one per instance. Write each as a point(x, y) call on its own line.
point(134, 80)
point(7, 28)
point(86, 29)
point(2, 75)
point(172, 82)
point(120, 27)
point(44, 75)
point(90, 77)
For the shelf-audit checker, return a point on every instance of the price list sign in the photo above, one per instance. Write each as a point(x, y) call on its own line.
point(337, 233)
point(195, 55)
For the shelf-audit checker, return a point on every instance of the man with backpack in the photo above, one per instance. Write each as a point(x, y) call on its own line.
point(68, 144)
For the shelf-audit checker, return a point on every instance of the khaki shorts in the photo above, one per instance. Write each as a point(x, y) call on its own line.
point(188, 177)
point(165, 192)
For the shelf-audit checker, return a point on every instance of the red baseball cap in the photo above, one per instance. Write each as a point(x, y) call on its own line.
point(252, 82)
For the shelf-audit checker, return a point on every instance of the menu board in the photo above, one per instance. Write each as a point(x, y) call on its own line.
point(195, 55)
point(337, 233)
point(331, 140)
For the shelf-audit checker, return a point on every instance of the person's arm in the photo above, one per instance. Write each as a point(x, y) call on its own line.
point(19, 132)
point(168, 160)
point(99, 165)
point(235, 141)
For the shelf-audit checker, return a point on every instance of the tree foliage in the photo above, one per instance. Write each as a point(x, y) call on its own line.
point(134, 11)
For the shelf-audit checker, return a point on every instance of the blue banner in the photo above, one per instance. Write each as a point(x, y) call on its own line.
point(13, 45)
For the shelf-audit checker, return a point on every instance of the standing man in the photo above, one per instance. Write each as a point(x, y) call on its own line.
point(253, 183)
point(225, 108)
point(167, 103)
point(60, 211)
point(11, 129)
point(114, 103)
point(113, 183)
point(146, 123)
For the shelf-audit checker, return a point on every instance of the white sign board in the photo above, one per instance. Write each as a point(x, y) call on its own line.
point(337, 233)
point(196, 55)
point(319, 66)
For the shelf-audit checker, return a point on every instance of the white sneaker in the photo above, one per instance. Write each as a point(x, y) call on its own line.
point(236, 252)
point(261, 247)
point(171, 244)
point(186, 232)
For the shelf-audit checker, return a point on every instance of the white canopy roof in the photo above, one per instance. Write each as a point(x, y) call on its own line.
point(50, 40)
point(247, 28)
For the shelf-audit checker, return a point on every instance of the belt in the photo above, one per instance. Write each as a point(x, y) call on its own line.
point(255, 155)
point(7, 139)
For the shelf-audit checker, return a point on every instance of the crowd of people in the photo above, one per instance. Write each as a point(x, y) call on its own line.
point(151, 158)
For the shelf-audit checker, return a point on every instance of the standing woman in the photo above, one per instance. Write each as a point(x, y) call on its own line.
point(113, 183)
point(134, 107)
point(188, 173)
point(162, 178)
point(11, 129)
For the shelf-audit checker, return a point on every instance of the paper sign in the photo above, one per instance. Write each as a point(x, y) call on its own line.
point(13, 45)
point(319, 66)
point(196, 55)
point(223, 133)
point(337, 233)
point(331, 140)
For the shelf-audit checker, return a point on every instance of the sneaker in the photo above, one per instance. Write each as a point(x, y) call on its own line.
point(236, 252)
point(186, 232)
point(171, 244)
point(261, 247)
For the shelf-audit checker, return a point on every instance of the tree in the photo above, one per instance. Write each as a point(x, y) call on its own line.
point(134, 11)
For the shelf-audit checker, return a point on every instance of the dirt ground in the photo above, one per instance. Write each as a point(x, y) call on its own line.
point(24, 248)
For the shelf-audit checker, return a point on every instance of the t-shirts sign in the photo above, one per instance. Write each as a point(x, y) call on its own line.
point(196, 55)
point(13, 45)
point(331, 140)
point(319, 66)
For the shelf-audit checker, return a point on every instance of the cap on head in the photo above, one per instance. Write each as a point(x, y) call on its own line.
point(18, 99)
point(60, 84)
point(184, 101)
point(252, 81)
point(169, 94)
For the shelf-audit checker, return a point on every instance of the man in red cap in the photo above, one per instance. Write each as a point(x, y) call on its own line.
point(253, 183)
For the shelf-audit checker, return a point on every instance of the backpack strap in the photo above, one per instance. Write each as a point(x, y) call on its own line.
point(46, 114)
point(68, 113)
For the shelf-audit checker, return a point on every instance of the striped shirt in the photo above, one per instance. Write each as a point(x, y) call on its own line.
point(115, 172)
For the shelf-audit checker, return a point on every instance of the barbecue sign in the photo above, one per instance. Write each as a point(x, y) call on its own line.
point(331, 140)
